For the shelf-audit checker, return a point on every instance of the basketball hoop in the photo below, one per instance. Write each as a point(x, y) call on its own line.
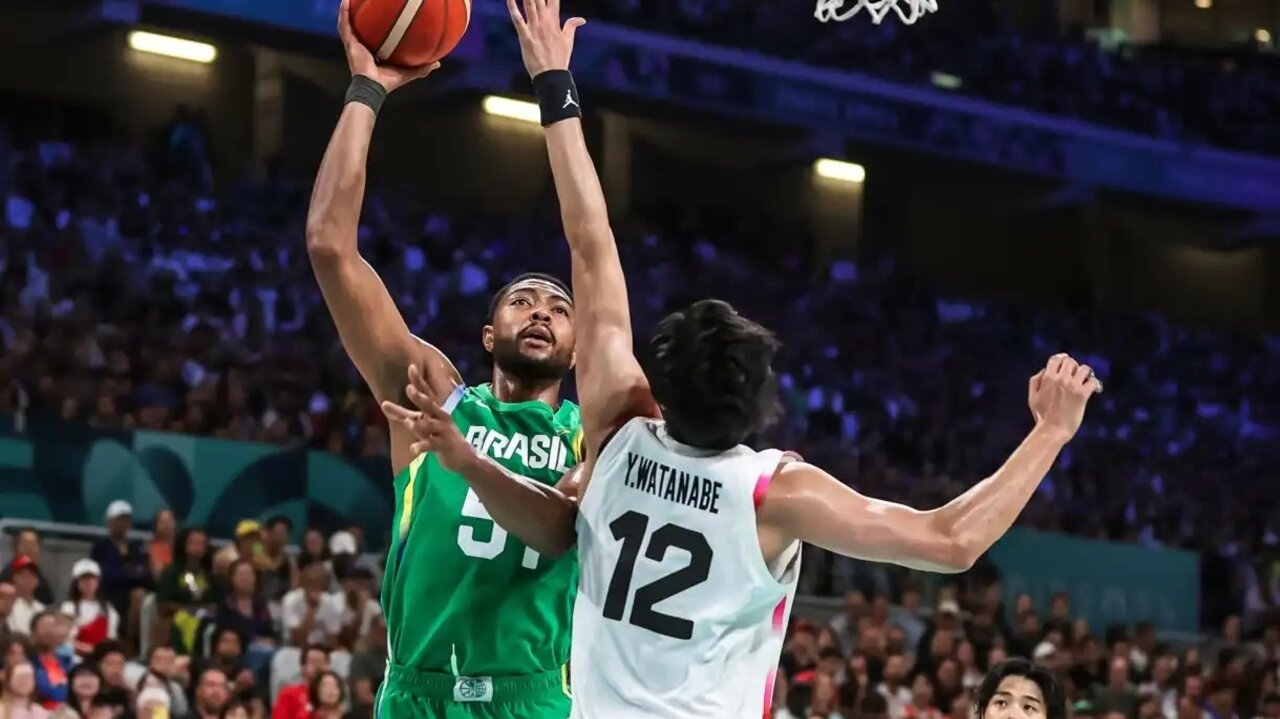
point(908, 10)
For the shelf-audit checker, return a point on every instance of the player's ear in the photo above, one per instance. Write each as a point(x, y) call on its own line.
point(573, 358)
point(486, 338)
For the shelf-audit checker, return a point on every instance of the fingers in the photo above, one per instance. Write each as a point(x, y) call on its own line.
point(1062, 366)
point(517, 18)
point(396, 413)
point(424, 71)
point(344, 20)
point(571, 28)
point(531, 12)
point(1036, 380)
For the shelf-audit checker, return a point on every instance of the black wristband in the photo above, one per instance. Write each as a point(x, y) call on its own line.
point(557, 96)
point(367, 92)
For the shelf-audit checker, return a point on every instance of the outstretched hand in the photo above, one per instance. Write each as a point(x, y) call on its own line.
point(432, 427)
point(1058, 394)
point(545, 44)
point(362, 62)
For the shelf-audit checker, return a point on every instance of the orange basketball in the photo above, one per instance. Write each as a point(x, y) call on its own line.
point(409, 33)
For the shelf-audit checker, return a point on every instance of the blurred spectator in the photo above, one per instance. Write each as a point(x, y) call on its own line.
point(355, 605)
point(211, 693)
point(125, 566)
point(343, 554)
point(93, 619)
point(308, 618)
point(51, 666)
point(327, 696)
point(8, 597)
point(368, 664)
point(85, 682)
point(26, 580)
point(26, 546)
point(160, 548)
point(279, 571)
point(314, 548)
point(185, 588)
point(18, 700)
point(110, 657)
point(153, 703)
point(294, 700)
point(171, 672)
point(246, 612)
point(248, 546)
point(227, 654)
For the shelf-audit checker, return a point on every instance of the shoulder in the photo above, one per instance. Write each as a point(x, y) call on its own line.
point(790, 477)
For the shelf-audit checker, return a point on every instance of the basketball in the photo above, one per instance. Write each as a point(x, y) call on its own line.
point(410, 33)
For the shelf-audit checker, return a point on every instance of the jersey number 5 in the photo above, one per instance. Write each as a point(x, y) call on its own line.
point(481, 549)
point(630, 529)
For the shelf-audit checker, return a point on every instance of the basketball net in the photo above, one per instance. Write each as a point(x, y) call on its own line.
point(908, 10)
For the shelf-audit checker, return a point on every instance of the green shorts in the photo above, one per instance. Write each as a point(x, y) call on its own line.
point(409, 694)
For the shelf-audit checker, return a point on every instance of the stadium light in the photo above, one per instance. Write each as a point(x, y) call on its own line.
point(840, 170)
point(168, 46)
point(1262, 35)
point(1204, 4)
point(514, 109)
point(946, 80)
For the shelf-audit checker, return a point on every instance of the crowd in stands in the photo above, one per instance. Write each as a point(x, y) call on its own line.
point(178, 628)
point(1227, 99)
point(132, 297)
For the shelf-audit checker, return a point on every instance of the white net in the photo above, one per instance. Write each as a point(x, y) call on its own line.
point(907, 10)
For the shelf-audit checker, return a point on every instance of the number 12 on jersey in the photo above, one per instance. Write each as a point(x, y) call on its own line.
point(631, 529)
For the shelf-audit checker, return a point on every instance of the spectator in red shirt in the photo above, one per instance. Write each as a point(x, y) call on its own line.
point(294, 701)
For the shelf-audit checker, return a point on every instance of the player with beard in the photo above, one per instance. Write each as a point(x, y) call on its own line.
point(478, 624)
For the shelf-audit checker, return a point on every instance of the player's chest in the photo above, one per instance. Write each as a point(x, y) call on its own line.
point(541, 451)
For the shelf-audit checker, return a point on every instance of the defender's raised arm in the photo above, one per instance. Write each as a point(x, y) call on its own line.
point(803, 502)
point(611, 386)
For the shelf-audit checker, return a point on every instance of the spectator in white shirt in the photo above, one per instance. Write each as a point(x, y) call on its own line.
point(307, 617)
point(894, 688)
point(356, 605)
point(94, 620)
point(26, 577)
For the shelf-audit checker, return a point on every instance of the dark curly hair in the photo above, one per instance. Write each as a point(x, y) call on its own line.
point(711, 371)
point(1055, 699)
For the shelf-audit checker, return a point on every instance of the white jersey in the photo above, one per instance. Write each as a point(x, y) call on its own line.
point(678, 616)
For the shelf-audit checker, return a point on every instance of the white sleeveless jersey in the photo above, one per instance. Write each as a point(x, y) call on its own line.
point(678, 616)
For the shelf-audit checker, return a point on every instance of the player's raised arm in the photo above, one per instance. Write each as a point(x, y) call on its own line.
point(369, 324)
point(804, 502)
point(611, 385)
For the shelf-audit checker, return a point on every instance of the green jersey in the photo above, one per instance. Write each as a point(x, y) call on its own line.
point(460, 595)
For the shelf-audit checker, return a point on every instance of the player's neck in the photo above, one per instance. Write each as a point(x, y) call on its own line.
point(513, 389)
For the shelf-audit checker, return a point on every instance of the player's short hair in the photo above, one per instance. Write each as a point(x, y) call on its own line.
point(1055, 699)
point(711, 372)
point(501, 293)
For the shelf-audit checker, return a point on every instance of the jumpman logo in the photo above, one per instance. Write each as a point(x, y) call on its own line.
point(568, 100)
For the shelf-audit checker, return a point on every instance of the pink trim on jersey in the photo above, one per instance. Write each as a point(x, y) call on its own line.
point(762, 486)
point(779, 612)
point(768, 693)
point(762, 483)
point(780, 616)
point(779, 625)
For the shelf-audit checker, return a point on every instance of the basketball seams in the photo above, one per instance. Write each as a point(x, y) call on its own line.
point(408, 13)
point(408, 33)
